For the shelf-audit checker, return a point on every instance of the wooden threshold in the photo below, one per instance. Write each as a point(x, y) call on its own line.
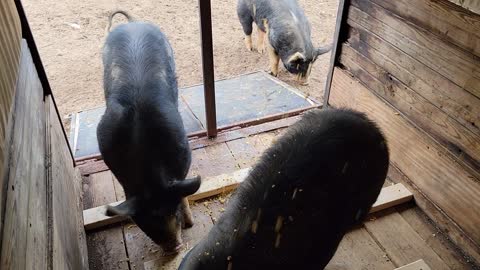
point(96, 163)
point(95, 217)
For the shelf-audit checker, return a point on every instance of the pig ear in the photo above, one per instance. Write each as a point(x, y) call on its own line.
point(322, 50)
point(295, 57)
point(127, 208)
point(186, 187)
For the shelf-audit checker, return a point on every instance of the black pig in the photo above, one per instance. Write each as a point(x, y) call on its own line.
point(141, 135)
point(288, 34)
point(313, 185)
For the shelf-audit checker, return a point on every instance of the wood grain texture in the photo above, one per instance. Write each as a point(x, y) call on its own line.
point(25, 220)
point(106, 247)
point(10, 46)
point(449, 22)
point(456, 65)
point(391, 196)
point(472, 5)
point(443, 93)
point(470, 251)
point(431, 168)
point(358, 250)
point(402, 244)
point(434, 238)
point(417, 265)
point(462, 143)
point(95, 217)
point(211, 161)
point(98, 189)
point(68, 246)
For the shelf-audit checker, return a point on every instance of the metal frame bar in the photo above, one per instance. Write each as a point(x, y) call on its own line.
point(208, 66)
point(341, 19)
point(42, 75)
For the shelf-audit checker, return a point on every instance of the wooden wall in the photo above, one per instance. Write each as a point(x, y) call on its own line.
point(10, 37)
point(419, 71)
point(40, 201)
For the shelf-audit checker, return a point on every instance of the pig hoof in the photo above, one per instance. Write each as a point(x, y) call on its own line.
point(273, 74)
point(261, 50)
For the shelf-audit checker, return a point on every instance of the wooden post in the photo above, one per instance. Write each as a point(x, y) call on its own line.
point(208, 67)
point(341, 18)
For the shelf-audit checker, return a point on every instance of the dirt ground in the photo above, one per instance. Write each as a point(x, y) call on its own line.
point(69, 36)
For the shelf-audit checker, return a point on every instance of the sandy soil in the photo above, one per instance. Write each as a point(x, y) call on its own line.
point(69, 36)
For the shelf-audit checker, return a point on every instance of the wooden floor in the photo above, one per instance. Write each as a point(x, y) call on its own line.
point(389, 239)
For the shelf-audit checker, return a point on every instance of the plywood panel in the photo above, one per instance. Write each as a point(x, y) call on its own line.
point(25, 223)
point(10, 44)
point(456, 65)
point(454, 189)
point(443, 93)
point(68, 240)
point(463, 143)
point(448, 21)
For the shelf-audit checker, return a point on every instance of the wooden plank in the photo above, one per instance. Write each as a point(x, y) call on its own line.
point(93, 165)
point(95, 217)
point(464, 144)
point(470, 249)
point(433, 170)
point(402, 244)
point(106, 248)
point(434, 238)
point(10, 45)
point(440, 91)
point(220, 184)
point(144, 253)
point(358, 250)
point(211, 161)
point(25, 220)
point(98, 189)
point(456, 65)
point(472, 5)
point(68, 251)
point(417, 265)
point(391, 196)
point(248, 150)
point(449, 22)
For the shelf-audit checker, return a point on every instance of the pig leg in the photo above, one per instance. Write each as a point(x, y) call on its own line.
point(187, 214)
point(274, 59)
point(246, 20)
point(261, 41)
point(272, 54)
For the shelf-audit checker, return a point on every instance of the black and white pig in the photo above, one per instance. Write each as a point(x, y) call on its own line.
point(288, 34)
point(309, 188)
point(141, 135)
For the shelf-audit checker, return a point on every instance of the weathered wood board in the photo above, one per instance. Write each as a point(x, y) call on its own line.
point(430, 167)
point(69, 244)
point(456, 65)
point(95, 217)
point(10, 45)
point(417, 265)
point(25, 220)
point(463, 143)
